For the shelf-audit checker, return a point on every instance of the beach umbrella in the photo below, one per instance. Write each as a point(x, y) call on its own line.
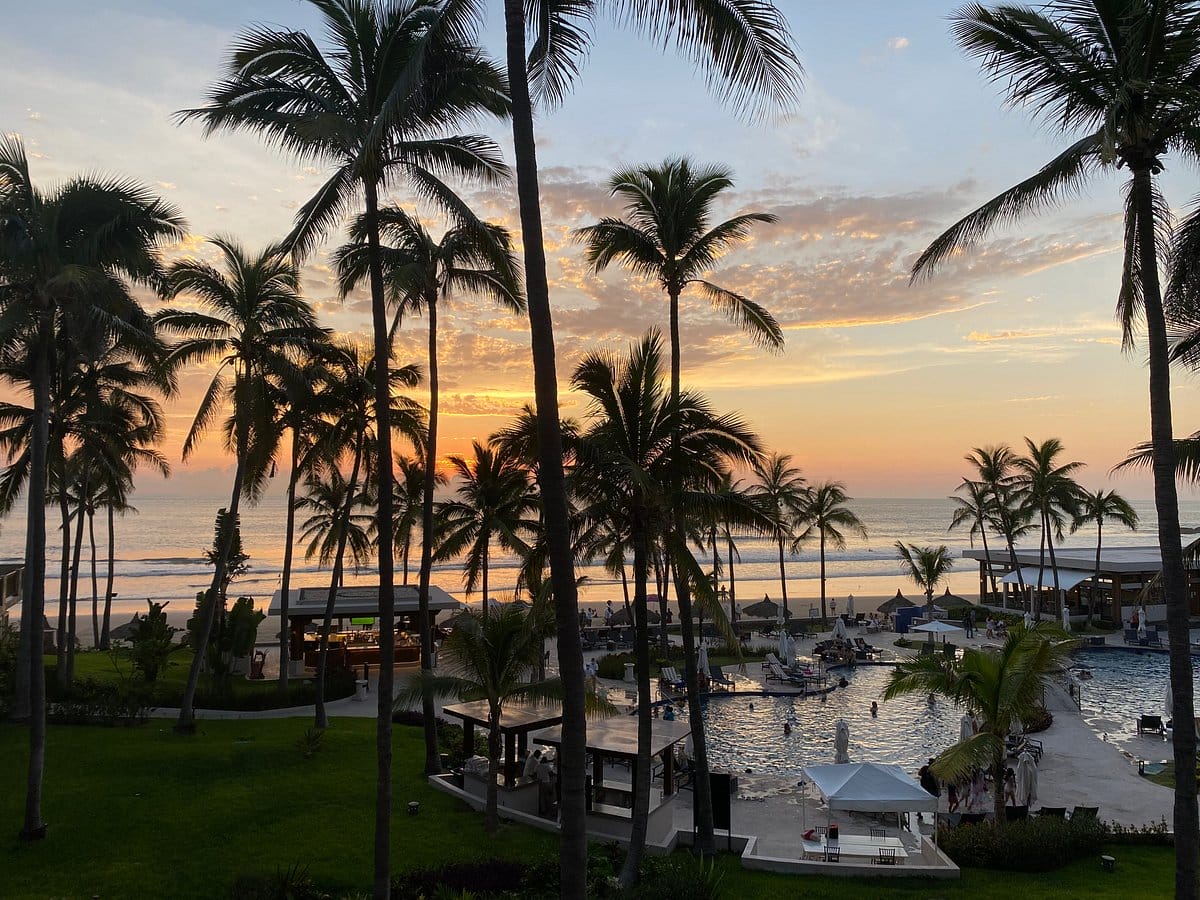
point(1026, 779)
point(702, 663)
point(1066, 617)
point(763, 609)
point(1028, 620)
point(1169, 702)
point(1141, 626)
point(841, 742)
point(850, 606)
point(937, 626)
point(966, 728)
point(839, 629)
point(784, 647)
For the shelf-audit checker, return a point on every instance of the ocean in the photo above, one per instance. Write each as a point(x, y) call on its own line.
point(160, 557)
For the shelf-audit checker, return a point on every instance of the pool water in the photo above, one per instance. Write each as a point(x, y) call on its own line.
point(1124, 685)
point(906, 733)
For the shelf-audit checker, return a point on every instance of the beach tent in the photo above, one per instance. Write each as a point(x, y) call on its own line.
point(897, 602)
point(869, 787)
point(763, 609)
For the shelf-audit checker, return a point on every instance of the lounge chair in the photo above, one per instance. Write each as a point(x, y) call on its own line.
point(1085, 812)
point(865, 647)
point(1131, 636)
point(1153, 639)
point(860, 618)
point(717, 674)
point(1016, 813)
point(1151, 725)
point(1056, 812)
point(770, 659)
point(928, 649)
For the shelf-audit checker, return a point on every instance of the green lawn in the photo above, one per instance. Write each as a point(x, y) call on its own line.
point(137, 812)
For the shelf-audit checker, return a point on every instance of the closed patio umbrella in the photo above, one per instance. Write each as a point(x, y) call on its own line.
point(841, 742)
point(702, 662)
point(1141, 626)
point(1027, 779)
point(839, 629)
point(966, 729)
point(785, 647)
point(1169, 702)
point(850, 606)
point(1066, 618)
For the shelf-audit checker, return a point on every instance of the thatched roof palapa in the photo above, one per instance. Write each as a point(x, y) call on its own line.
point(897, 602)
point(763, 609)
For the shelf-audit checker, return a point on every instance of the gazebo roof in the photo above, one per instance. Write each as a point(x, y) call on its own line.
point(897, 602)
point(515, 717)
point(869, 787)
point(309, 602)
point(1138, 560)
point(617, 736)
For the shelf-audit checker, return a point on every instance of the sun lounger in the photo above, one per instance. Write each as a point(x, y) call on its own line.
point(865, 647)
point(1085, 812)
point(717, 674)
point(1057, 812)
point(1151, 725)
point(1152, 638)
point(1131, 636)
point(771, 659)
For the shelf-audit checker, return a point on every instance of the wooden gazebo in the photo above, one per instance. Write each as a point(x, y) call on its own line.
point(517, 720)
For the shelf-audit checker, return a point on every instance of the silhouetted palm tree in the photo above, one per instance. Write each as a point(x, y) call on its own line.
point(1046, 486)
point(926, 566)
point(1100, 506)
point(780, 488)
point(1117, 79)
point(254, 324)
point(974, 505)
point(824, 512)
point(75, 248)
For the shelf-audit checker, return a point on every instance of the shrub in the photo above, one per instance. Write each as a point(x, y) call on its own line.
point(1155, 834)
point(613, 665)
point(9, 637)
point(485, 878)
point(1039, 719)
point(677, 877)
point(450, 737)
point(293, 883)
point(91, 701)
point(151, 641)
point(1040, 844)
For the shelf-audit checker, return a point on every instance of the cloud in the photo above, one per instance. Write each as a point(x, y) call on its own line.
point(167, 185)
point(898, 43)
point(33, 115)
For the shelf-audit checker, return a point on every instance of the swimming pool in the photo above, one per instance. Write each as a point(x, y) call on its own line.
point(906, 733)
point(1124, 685)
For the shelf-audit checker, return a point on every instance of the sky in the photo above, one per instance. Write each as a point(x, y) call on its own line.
point(882, 385)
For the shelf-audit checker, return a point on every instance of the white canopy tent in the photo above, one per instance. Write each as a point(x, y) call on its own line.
point(870, 787)
point(1067, 578)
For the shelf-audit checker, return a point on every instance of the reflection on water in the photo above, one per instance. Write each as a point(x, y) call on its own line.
point(1123, 686)
point(907, 731)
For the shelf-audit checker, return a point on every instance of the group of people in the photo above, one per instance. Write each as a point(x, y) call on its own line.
point(969, 795)
point(996, 628)
point(541, 767)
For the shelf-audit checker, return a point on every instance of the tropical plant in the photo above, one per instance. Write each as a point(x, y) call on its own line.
point(926, 567)
point(151, 641)
point(1118, 80)
point(781, 490)
point(326, 494)
point(746, 53)
point(489, 657)
point(1011, 517)
point(255, 325)
point(1100, 506)
point(420, 272)
point(974, 504)
point(824, 512)
point(1047, 486)
point(375, 103)
point(71, 251)
point(1001, 687)
point(626, 469)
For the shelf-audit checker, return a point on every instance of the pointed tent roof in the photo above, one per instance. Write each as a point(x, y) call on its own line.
point(763, 609)
point(621, 618)
point(897, 602)
point(952, 601)
point(869, 787)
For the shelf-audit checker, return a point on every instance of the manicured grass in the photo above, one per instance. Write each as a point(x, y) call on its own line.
point(139, 812)
point(142, 812)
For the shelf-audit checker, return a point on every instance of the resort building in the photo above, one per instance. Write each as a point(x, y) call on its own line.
point(1128, 579)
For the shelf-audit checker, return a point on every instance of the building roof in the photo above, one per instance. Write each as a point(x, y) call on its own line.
point(1112, 559)
point(309, 602)
point(617, 736)
point(1032, 576)
point(513, 716)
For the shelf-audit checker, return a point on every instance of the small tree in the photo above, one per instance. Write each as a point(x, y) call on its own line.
point(151, 641)
point(926, 566)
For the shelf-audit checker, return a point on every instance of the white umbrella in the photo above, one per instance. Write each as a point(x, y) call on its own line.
point(1169, 702)
point(850, 605)
point(839, 629)
point(1026, 779)
point(841, 742)
point(785, 647)
point(703, 661)
point(937, 627)
point(1066, 617)
point(966, 729)
point(1141, 626)
point(1028, 620)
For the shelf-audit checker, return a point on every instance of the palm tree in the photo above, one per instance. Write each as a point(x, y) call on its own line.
point(626, 469)
point(781, 489)
point(77, 246)
point(1100, 506)
point(926, 566)
point(1001, 687)
point(973, 506)
point(493, 658)
point(744, 48)
point(824, 511)
point(1048, 488)
point(375, 103)
point(420, 272)
point(254, 324)
point(326, 492)
point(496, 502)
point(993, 466)
point(1118, 80)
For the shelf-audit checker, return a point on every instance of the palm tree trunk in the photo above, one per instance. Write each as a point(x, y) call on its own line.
point(640, 820)
point(385, 694)
point(1037, 612)
point(487, 542)
point(491, 816)
point(573, 846)
point(1096, 579)
point(1174, 581)
point(73, 605)
point(929, 609)
point(998, 791)
point(433, 759)
point(64, 591)
point(285, 580)
point(822, 573)
point(31, 669)
point(783, 585)
point(95, 583)
point(108, 583)
point(732, 592)
point(186, 723)
point(701, 785)
point(1059, 600)
point(987, 556)
point(663, 582)
point(342, 524)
